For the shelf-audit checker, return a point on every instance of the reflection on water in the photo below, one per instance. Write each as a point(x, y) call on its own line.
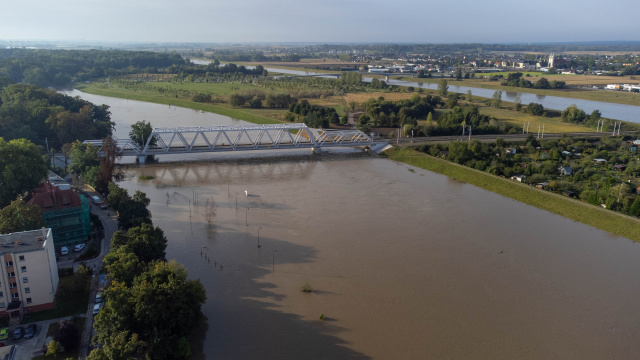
point(404, 264)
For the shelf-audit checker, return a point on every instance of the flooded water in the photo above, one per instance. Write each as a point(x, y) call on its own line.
point(404, 263)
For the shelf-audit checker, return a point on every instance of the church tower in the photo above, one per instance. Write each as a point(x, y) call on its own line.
point(551, 57)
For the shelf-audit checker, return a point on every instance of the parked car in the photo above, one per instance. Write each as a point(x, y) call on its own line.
point(104, 206)
point(31, 331)
point(64, 250)
point(96, 200)
point(4, 334)
point(96, 309)
point(18, 332)
point(78, 247)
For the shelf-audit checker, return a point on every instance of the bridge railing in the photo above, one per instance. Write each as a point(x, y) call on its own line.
point(242, 137)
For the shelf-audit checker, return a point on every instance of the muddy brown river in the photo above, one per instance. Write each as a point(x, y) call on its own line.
point(403, 263)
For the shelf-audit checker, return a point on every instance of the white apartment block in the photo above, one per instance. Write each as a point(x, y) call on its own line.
point(29, 273)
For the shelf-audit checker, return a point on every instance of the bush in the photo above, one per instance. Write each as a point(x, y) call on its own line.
point(236, 100)
point(306, 288)
point(255, 103)
point(535, 109)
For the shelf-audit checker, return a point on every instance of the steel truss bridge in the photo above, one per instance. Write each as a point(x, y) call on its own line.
point(182, 140)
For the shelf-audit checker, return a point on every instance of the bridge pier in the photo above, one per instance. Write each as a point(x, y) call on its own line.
point(316, 150)
point(142, 159)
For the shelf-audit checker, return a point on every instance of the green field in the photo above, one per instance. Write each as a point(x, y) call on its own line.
point(575, 210)
point(256, 116)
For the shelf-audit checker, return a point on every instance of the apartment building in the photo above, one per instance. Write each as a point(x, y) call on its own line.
point(29, 273)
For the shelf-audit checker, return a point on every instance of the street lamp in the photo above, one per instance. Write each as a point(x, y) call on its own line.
point(259, 227)
point(246, 218)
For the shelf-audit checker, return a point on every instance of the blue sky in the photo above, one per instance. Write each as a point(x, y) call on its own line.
point(321, 20)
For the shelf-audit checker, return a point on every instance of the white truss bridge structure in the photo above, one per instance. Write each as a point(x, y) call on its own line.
point(182, 140)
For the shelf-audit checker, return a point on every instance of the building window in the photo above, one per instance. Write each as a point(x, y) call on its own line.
point(28, 300)
point(21, 257)
point(1, 294)
point(27, 290)
point(9, 263)
point(13, 285)
point(15, 296)
point(23, 268)
point(12, 274)
point(2, 305)
point(25, 279)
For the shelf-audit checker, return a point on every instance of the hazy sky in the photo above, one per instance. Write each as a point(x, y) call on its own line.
point(424, 21)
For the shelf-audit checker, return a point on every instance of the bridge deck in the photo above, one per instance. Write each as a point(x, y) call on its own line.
point(237, 138)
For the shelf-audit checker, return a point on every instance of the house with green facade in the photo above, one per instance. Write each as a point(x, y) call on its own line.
point(65, 212)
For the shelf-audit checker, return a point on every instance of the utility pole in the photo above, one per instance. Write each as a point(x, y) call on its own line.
point(523, 126)
point(543, 130)
point(538, 131)
point(469, 132)
point(398, 139)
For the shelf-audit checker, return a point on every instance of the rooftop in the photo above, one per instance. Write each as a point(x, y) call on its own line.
point(23, 241)
point(50, 198)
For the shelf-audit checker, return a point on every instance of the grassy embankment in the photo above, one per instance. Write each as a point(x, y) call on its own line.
point(616, 97)
point(239, 113)
point(179, 94)
point(575, 210)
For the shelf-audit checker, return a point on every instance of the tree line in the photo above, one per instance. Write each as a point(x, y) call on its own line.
point(48, 118)
point(150, 305)
point(60, 68)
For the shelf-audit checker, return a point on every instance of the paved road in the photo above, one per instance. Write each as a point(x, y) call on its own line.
point(109, 221)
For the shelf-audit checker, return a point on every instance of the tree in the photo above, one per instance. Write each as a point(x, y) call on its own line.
point(108, 172)
point(535, 109)
point(140, 133)
point(121, 346)
point(635, 207)
point(167, 306)
point(469, 96)
point(116, 196)
point(141, 197)
point(146, 241)
point(21, 169)
point(543, 83)
point(121, 263)
point(443, 88)
point(67, 335)
point(19, 216)
point(133, 213)
point(236, 100)
point(53, 348)
point(517, 102)
point(496, 100)
point(458, 74)
point(255, 103)
point(160, 306)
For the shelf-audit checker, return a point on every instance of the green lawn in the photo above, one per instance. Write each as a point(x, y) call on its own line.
point(250, 115)
point(587, 214)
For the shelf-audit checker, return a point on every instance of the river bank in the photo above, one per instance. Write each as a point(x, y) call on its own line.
point(612, 222)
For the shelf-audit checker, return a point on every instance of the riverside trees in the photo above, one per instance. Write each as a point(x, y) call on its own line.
point(150, 305)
